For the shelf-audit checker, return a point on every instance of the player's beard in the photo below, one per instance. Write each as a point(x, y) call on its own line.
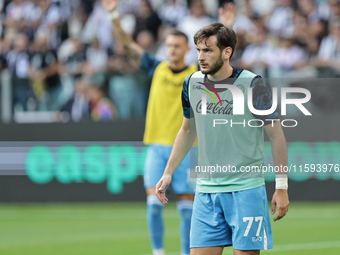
point(216, 66)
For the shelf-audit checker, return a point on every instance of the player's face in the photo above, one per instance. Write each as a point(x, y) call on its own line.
point(209, 56)
point(176, 47)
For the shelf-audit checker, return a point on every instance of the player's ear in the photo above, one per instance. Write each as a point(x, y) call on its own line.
point(227, 53)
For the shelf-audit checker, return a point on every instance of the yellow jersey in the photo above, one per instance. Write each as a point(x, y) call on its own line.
point(164, 111)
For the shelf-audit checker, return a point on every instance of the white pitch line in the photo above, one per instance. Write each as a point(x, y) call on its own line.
point(288, 247)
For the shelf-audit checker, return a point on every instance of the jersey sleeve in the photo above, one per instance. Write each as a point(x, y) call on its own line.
point(187, 110)
point(149, 63)
point(262, 99)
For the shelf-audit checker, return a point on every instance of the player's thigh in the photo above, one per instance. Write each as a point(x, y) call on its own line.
point(155, 163)
point(181, 181)
point(207, 251)
point(250, 220)
point(208, 225)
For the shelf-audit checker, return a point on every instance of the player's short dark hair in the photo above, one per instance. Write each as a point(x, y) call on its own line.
point(226, 37)
point(179, 33)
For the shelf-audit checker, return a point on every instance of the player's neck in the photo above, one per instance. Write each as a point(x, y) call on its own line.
point(178, 65)
point(225, 72)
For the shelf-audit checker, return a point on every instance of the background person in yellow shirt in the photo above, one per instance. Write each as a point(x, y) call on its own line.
point(163, 121)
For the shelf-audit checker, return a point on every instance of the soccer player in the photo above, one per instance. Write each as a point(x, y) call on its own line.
point(230, 209)
point(163, 121)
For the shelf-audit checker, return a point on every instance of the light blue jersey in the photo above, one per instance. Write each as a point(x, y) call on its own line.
point(230, 208)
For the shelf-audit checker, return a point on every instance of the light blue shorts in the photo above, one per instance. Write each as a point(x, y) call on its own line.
point(240, 219)
point(156, 158)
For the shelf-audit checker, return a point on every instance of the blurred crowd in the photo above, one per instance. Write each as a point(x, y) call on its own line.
point(62, 55)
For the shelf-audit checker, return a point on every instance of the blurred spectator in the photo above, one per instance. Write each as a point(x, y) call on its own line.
point(123, 85)
point(96, 60)
point(285, 58)
point(18, 61)
point(102, 108)
point(146, 19)
point(244, 20)
point(78, 106)
point(256, 56)
point(280, 22)
point(301, 29)
point(172, 12)
point(45, 74)
point(33, 18)
point(51, 20)
point(16, 12)
point(72, 56)
point(288, 38)
point(319, 29)
point(98, 26)
point(329, 52)
point(305, 31)
point(309, 9)
point(77, 21)
point(312, 52)
point(307, 68)
point(191, 24)
point(334, 7)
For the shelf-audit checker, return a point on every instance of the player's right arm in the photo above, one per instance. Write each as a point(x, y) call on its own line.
point(182, 145)
point(133, 50)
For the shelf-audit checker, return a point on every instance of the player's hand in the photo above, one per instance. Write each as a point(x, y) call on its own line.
point(227, 14)
point(161, 187)
point(281, 202)
point(110, 5)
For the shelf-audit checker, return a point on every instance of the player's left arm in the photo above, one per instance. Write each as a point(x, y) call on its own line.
point(262, 100)
point(277, 139)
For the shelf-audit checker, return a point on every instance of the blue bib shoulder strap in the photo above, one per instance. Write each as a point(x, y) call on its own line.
point(245, 74)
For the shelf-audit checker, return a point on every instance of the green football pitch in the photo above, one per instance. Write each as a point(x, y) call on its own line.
point(91, 229)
